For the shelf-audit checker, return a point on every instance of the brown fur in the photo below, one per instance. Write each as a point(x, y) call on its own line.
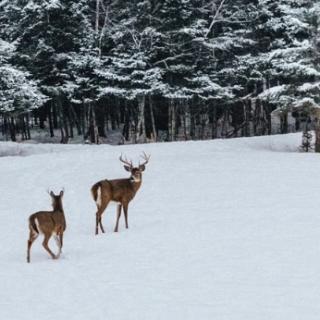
point(48, 223)
point(117, 190)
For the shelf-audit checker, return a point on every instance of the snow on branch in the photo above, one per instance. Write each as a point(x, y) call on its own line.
point(214, 18)
point(164, 61)
point(3, 3)
point(308, 87)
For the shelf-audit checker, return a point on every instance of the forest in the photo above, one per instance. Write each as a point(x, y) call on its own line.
point(146, 70)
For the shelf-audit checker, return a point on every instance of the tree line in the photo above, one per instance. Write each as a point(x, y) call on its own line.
point(156, 70)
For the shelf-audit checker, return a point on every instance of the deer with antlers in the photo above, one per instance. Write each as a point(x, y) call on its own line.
point(48, 223)
point(121, 191)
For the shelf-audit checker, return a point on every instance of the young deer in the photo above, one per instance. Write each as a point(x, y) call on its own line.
point(121, 191)
point(49, 223)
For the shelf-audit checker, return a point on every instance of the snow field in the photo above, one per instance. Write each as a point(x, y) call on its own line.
point(219, 230)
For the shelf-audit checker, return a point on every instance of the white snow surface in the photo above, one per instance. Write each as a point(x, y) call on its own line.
point(225, 229)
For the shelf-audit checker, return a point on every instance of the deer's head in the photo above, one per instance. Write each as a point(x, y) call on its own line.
point(56, 200)
point(136, 172)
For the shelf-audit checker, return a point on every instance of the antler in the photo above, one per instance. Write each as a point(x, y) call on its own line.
point(145, 158)
point(125, 161)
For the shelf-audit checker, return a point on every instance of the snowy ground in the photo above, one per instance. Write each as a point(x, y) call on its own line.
point(226, 229)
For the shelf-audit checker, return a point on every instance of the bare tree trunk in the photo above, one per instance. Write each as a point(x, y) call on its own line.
point(214, 121)
point(12, 128)
point(23, 127)
point(85, 120)
point(187, 121)
point(182, 117)
point(246, 116)
point(62, 122)
point(75, 120)
point(225, 122)
point(254, 112)
point(203, 122)
point(153, 124)
point(3, 126)
point(97, 16)
point(54, 115)
point(28, 126)
point(126, 121)
point(317, 132)
point(284, 122)
point(141, 127)
point(172, 120)
point(93, 129)
point(6, 127)
point(50, 120)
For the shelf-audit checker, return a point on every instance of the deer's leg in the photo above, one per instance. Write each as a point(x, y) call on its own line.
point(45, 245)
point(99, 216)
point(100, 223)
point(61, 239)
point(57, 238)
point(125, 210)
point(60, 236)
point(97, 222)
point(118, 217)
point(33, 236)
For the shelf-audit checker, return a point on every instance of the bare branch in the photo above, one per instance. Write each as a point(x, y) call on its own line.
point(214, 18)
point(104, 27)
point(172, 58)
point(3, 3)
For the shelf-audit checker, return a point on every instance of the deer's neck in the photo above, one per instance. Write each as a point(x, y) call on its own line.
point(135, 183)
point(57, 207)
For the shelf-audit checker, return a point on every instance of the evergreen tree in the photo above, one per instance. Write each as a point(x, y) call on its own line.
point(175, 69)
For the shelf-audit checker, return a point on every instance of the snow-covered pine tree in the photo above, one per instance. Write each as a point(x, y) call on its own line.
point(289, 62)
point(19, 94)
point(172, 68)
point(46, 34)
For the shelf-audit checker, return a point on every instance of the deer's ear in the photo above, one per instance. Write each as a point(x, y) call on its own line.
point(142, 167)
point(61, 193)
point(51, 194)
point(127, 168)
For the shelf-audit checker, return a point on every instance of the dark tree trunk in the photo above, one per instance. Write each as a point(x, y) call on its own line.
point(172, 120)
point(141, 126)
point(284, 122)
point(75, 119)
point(153, 123)
point(23, 128)
point(93, 129)
point(55, 120)
point(127, 119)
point(12, 128)
point(62, 122)
point(214, 121)
point(51, 125)
point(317, 132)
point(28, 134)
point(6, 127)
